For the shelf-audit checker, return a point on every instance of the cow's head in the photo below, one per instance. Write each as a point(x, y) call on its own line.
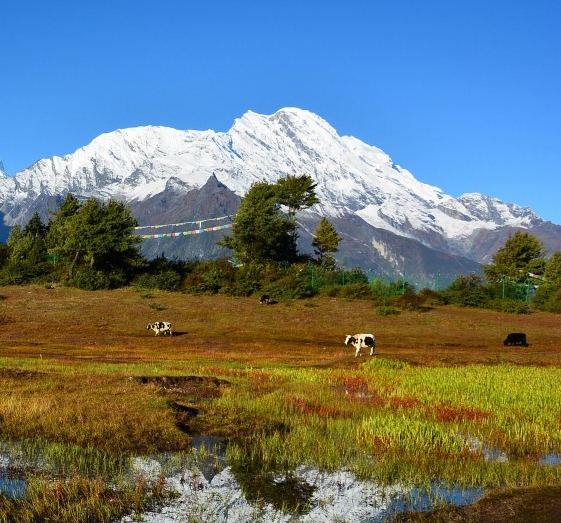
point(349, 340)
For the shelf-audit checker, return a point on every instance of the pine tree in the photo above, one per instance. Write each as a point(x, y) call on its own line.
point(296, 193)
point(522, 253)
point(326, 241)
point(96, 234)
point(552, 272)
point(262, 232)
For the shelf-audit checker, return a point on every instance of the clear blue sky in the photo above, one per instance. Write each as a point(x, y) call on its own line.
point(464, 94)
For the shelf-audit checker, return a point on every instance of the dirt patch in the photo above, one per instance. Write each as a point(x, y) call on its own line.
point(518, 505)
point(196, 386)
point(19, 374)
point(193, 391)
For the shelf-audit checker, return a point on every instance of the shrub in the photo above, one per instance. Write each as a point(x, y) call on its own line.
point(553, 303)
point(330, 290)
point(410, 302)
point(354, 291)
point(289, 288)
point(24, 272)
point(469, 291)
point(210, 277)
point(510, 306)
point(165, 281)
point(90, 280)
point(387, 311)
point(432, 297)
point(249, 279)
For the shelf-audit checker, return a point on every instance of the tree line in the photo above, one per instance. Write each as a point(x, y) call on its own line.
point(91, 245)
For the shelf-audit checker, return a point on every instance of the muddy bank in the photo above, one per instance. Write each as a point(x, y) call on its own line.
point(518, 505)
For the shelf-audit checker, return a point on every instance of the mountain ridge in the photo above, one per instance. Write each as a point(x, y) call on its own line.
point(140, 164)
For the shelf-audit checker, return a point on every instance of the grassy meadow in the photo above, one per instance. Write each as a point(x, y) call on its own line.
point(84, 384)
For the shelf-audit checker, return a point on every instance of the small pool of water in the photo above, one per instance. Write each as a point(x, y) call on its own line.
point(12, 483)
point(550, 459)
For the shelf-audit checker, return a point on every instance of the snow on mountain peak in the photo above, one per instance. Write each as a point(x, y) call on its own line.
point(134, 164)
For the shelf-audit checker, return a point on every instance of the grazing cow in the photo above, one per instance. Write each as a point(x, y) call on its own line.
point(265, 299)
point(361, 340)
point(516, 338)
point(160, 327)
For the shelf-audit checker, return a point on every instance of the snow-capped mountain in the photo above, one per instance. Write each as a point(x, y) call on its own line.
point(387, 217)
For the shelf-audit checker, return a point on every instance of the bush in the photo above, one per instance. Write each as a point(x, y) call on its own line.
point(432, 297)
point(289, 288)
point(553, 303)
point(469, 291)
point(24, 272)
point(387, 311)
point(90, 280)
point(165, 281)
point(249, 279)
point(210, 277)
point(510, 306)
point(354, 291)
point(410, 302)
point(330, 290)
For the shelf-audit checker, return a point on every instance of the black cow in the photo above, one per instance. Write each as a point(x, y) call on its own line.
point(516, 338)
point(265, 299)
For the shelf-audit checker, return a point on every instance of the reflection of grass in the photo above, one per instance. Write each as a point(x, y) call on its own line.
point(293, 392)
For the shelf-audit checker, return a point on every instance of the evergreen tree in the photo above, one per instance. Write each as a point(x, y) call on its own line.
point(326, 241)
point(27, 245)
point(262, 232)
point(95, 234)
point(552, 272)
point(4, 254)
point(35, 227)
point(19, 245)
point(296, 193)
point(468, 291)
point(522, 253)
point(26, 252)
point(548, 292)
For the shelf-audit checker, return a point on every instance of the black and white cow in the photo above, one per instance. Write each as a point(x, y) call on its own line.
point(361, 340)
point(160, 327)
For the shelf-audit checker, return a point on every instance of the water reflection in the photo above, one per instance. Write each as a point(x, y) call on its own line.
point(210, 489)
point(423, 500)
point(286, 492)
point(489, 453)
point(305, 495)
point(551, 459)
point(12, 484)
point(12, 478)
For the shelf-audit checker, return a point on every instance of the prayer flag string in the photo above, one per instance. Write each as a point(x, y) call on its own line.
point(200, 222)
point(185, 233)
